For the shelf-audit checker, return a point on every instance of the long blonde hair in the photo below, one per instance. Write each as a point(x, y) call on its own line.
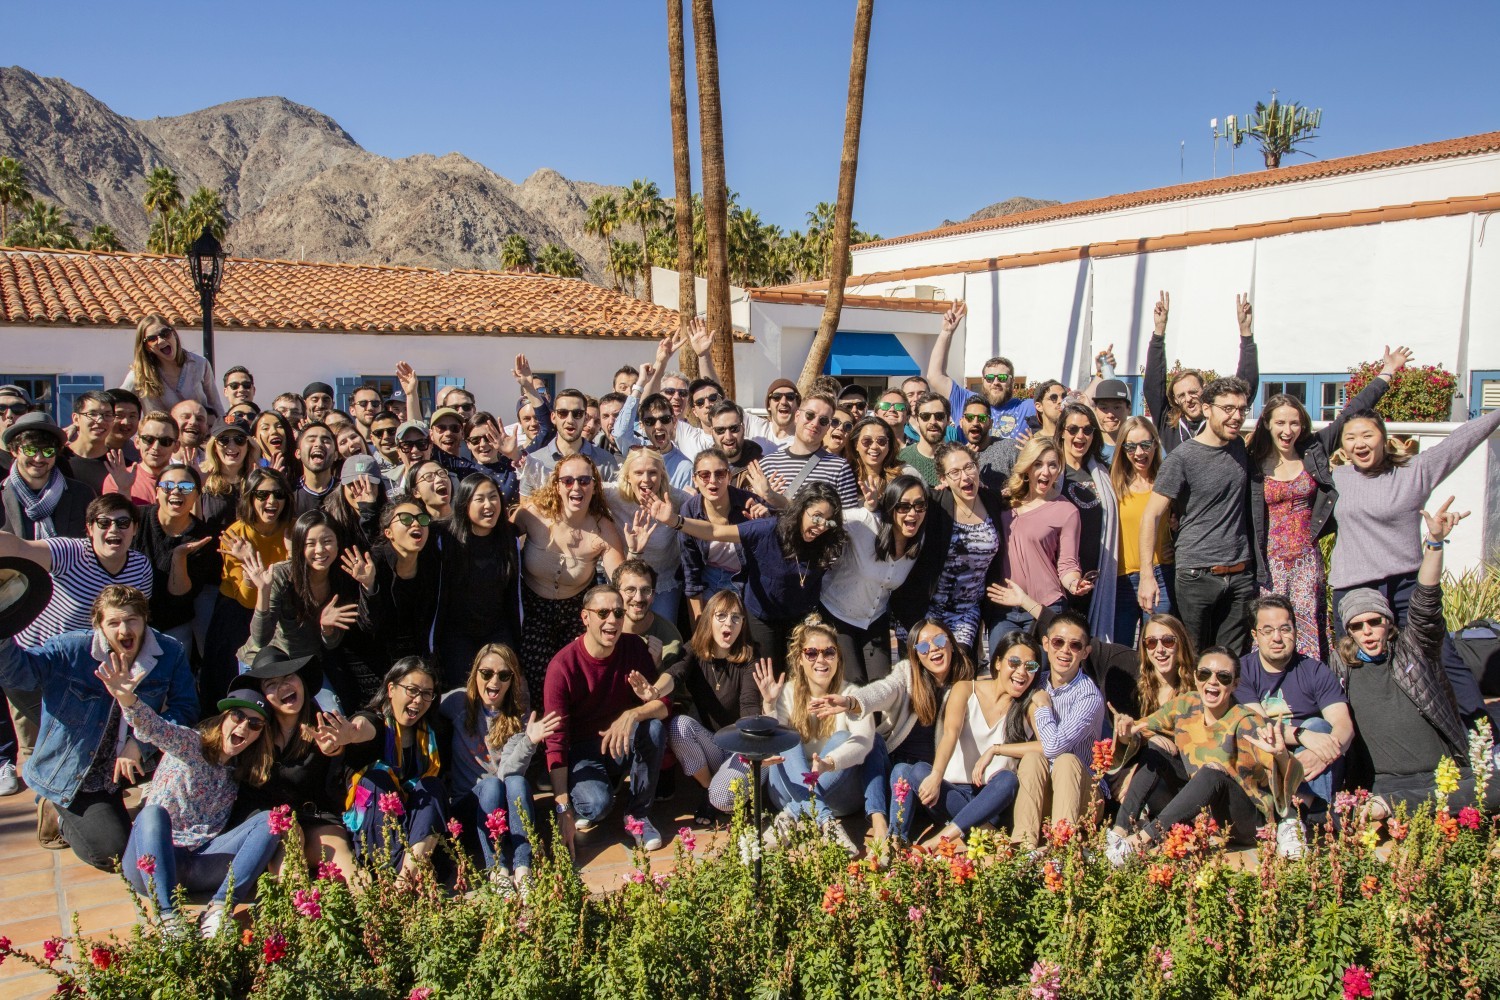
point(634, 457)
point(808, 726)
point(216, 481)
point(1122, 469)
point(146, 365)
point(1031, 453)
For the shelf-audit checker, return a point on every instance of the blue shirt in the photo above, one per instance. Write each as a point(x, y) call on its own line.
point(1006, 421)
point(1308, 685)
point(776, 588)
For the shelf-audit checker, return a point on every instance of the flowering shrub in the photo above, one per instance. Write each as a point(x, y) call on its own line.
point(1062, 924)
point(1417, 394)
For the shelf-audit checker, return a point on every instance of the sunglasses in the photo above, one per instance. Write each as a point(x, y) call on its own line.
point(415, 444)
point(886, 406)
point(1133, 446)
point(570, 414)
point(935, 415)
point(233, 440)
point(32, 451)
point(844, 425)
point(14, 409)
point(365, 404)
point(1031, 666)
point(730, 429)
point(153, 440)
point(708, 400)
point(782, 397)
point(478, 440)
point(907, 506)
point(158, 336)
point(820, 652)
point(416, 693)
point(250, 722)
point(268, 494)
point(977, 418)
point(489, 674)
point(382, 432)
point(184, 487)
point(120, 523)
point(237, 386)
point(1368, 623)
point(939, 641)
point(816, 420)
point(407, 519)
point(1000, 377)
point(1084, 431)
point(448, 428)
point(607, 613)
point(660, 421)
point(463, 407)
point(711, 475)
point(1225, 677)
point(1164, 641)
point(673, 392)
point(569, 481)
point(1059, 644)
point(1054, 397)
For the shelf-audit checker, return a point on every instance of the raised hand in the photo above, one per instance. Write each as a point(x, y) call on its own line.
point(235, 547)
point(665, 348)
point(870, 490)
point(1271, 739)
point(754, 509)
point(1440, 524)
point(522, 372)
point(1159, 313)
point(647, 370)
point(254, 569)
point(1395, 360)
point(658, 508)
point(116, 675)
point(767, 682)
point(338, 616)
point(359, 566)
point(537, 730)
point(638, 531)
point(277, 461)
point(361, 491)
point(506, 442)
point(642, 688)
point(1009, 594)
point(700, 337)
point(122, 474)
point(333, 731)
point(954, 316)
point(829, 705)
point(192, 548)
point(1244, 313)
point(407, 376)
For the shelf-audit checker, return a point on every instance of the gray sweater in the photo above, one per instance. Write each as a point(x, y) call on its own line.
point(464, 767)
point(1378, 514)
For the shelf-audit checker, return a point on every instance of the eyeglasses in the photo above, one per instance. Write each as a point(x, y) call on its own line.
point(431, 477)
point(407, 519)
point(815, 419)
point(159, 335)
point(1167, 641)
point(418, 694)
point(1225, 677)
point(935, 415)
point(1031, 666)
point(120, 523)
point(98, 416)
point(711, 475)
point(673, 392)
point(977, 418)
point(1232, 411)
point(963, 470)
point(239, 386)
point(264, 495)
point(886, 406)
point(818, 520)
point(607, 613)
point(1134, 446)
point(782, 397)
point(182, 486)
point(708, 400)
point(643, 590)
point(250, 722)
point(1270, 630)
point(569, 414)
point(413, 444)
point(14, 409)
point(939, 641)
point(907, 506)
point(489, 674)
point(569, 481)
point(45, 451)
point(728, 618)
point(232, 440)
point(1057, 643)
point(844, 425)
point(820, 652)
point(1000, 377)
point(1083, 431)
point(1366, 623)
point(155, 440)
point(730, 429)
point(659, 421)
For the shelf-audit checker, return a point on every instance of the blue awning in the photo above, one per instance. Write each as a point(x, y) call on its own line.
point(869, 354)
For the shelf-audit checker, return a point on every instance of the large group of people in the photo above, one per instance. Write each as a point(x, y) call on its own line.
point(393, 617)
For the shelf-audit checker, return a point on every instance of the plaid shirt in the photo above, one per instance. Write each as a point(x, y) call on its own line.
point(1074, 720)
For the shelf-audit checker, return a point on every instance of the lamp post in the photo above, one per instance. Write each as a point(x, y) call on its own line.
point(756, 739)
point(206, 262)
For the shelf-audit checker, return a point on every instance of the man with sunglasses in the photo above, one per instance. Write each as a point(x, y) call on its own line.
point(931, 419)
point(158, 448)
point(856, 400)
point(727, 425)
point(414, 447)
point(891, 407)
point(93, 419)
point(569, 414)
point(15, 402)
point(239, 386)
point(659, 427)
point(1183, 416)
point(1009, 416)
point(383, 441)
point(364, 407)
point(703, 395)
point(1068, 716)
point(39, 501)
point(803, 460)
point(605, 730)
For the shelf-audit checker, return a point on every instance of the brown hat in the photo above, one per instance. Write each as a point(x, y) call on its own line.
point(781, 383)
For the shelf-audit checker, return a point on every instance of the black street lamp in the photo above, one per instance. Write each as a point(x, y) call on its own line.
point(206, 262)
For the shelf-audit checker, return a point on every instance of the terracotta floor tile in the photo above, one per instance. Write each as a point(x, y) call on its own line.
point(82, 874)
point(26, 861)
point(98, 919)
point(96, 894)
point(29, 987)
point(31, 929)
point(21, 885)
point(35, 904)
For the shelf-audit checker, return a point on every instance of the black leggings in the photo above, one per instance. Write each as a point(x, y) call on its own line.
point(227, 632)
point(96, 826)
point(770, 638)
point(1157, 780)
point(866, 652)
point(1212, 789)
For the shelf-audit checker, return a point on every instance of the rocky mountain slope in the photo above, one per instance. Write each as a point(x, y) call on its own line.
point(295, 184)
point(1009, 206)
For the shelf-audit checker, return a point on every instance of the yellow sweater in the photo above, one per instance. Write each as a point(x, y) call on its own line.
point(1132, 506)
point(271, 549)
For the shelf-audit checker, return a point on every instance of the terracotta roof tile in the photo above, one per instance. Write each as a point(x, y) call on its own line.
point(116, 289)
point(796, 295)
point(1488, 142)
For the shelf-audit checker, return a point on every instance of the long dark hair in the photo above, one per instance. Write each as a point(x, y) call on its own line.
point(885, 539)
point(309, 611)
point(462, 528)
point(1261, 444)
point(346, 517)
point(265, 479)
point(925, 701)
point(400, 671)
point(821, 553)
point(893, 463)
point(1096, 441)
point(1014, 728)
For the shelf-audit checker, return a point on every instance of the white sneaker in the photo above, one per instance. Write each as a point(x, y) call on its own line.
point(650, 838)
point(1119, 852)
point(1290, 842)
point(835, 831)
point(780, 830)
point(500, 879)
point(1112, 837)
point(9, 783)
point(581, 825)
point(210, 920)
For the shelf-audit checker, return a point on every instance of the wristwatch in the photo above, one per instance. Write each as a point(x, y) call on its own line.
point(563, 808)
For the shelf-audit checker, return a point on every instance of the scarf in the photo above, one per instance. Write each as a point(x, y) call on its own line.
point(360, 791)
point(38, 506)
point(1102, 606)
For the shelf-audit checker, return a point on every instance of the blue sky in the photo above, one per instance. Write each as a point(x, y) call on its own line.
point(967, 103)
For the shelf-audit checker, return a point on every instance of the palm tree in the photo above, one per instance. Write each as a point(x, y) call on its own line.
point(627, 261)
point(661, 248)
point(45, 227)
point(515, 253)
point(642, 205)
point(822, 343)
point(103, 237)
point(163, 197)
point(13, 190)
point(205, 210)
point(715, 190)
point(602, 220)
point(560, 261)
point(820, 227)
point(681, 222)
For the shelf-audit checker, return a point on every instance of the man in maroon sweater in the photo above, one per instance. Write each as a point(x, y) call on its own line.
point(606, 730)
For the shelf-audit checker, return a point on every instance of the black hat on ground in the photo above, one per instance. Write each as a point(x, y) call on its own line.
point(25, 589)
point(757, 737)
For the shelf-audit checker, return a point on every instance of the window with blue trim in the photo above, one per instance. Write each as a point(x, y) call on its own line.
point(43, 389)
point(1324, 395)
point(1484, 392)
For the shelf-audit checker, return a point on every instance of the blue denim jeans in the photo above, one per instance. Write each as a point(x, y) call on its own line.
point(1128, 614)
point(514, 793)
point(241, 854)
point(665, 602)
point(593, 777)
point(716, 579)
point(1324, 786)
point(838, 793)
point(424, 813)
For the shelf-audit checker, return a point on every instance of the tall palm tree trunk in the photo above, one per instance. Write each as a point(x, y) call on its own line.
point(715, 191)
point(838, 269)
point(682, 170)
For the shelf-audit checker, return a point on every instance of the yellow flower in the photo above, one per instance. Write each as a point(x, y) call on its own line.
point(981, 844)
point(1370, 837)
point(1446, 776)
point(1205, 877)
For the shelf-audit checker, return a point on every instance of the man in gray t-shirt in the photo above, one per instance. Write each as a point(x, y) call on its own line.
point(1206, 482)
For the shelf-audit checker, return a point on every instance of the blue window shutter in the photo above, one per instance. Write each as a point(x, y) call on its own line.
point(69, 388)
point(343, 391)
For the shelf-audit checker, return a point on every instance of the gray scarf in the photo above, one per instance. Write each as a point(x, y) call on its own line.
point(38, 506)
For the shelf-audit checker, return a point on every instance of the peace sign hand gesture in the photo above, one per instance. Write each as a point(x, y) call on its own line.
point(1439, 525)
point(1159, 313)
point(954, 316)
point(1244, 312)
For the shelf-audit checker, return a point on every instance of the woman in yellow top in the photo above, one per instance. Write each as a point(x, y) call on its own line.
point(1133, 473)
point(262, 520)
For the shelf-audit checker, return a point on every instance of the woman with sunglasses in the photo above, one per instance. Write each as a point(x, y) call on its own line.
point(163, 373)
point(838, 432)
point(1165, 662)
point(709, 567)
point(1086, 485)
point(922, 705)
point(1224, 763)
point(570, 533)
point(393, 747)
point(276, 443)
point(1001, 720)
point(1132, 474)
point(643, 475)
point(228, 457)
point(264, 517)
point(883, 547)
point(400, 608)
point(184, 558)
point(494, 739)
point(481, 582)
point(872, 451)
point(486, 439)
point(183, 825)
point(785, 559)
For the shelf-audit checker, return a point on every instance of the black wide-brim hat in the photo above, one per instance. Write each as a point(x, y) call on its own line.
point(272, 661)
point(25, 589)
point(757, 737)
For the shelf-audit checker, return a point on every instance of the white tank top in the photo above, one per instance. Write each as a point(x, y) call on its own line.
point(977, 737)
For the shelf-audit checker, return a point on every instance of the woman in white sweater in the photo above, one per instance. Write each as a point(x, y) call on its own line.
point(164, 373)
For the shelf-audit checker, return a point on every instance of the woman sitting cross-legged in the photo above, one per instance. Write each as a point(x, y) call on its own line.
point(1225, 763)
point(392, 756)
point(493, 743)
point(180, 836)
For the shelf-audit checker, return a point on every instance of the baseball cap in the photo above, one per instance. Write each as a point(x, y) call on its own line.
point(411, 425)
point(358, 466)
point(445, 411)
point(1112, 388)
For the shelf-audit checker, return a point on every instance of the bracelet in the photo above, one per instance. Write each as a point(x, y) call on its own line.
point(1435, 545)
point(681, 520)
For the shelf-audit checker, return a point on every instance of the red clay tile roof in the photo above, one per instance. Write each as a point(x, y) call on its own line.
point(116, 289)
point(1488, 142)
point(788, 295)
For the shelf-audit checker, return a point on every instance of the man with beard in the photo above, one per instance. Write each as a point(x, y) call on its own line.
point(1008, 415)
point(383, 440)
point(15, 403)
point(364, 406)
point(39, 501)
point(635, 579)
point(569, 414)
point(1177, 406)
point(660, 428)
point(804, 460)
point(932, 424)
point(318, 398)
point(192, 431)
point(610, 405)
point(316, 452)
point(727, 425)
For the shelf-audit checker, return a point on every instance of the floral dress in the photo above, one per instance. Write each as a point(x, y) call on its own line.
point(955, 602)
point(1295, 561)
